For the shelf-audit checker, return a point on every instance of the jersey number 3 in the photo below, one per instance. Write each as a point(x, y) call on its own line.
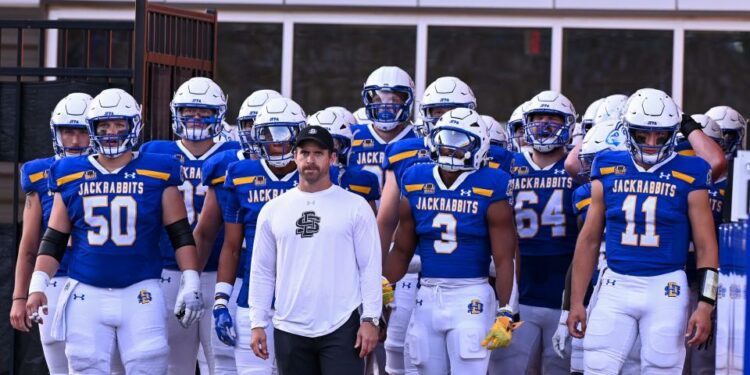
point(120, 207)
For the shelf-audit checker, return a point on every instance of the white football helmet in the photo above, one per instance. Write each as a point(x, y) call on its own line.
point(605, 135)
point(610, 108)
point(459, 141)
point(198, 92)
point(248, 112)
point(277, 125)
point(514, 123)
point(732, 126)
point(587, 120)
point(361, 116)
point(710, 127)
point(444, 94)
point(114, 104)
point(651, 111)
point(545, 136)
point(344, 113)
point(498, 135)
point(338, 126)
point(70, 112)
point(388, 95)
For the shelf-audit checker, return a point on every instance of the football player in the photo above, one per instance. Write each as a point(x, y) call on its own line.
point(388, 95)
point(114, 204)
point(456, 212)
point(210, 222)
point(652, 200)
point(361, 115)
point(499, 156)
point(251, 184)
point(441, 96)
point(515, 130)
point(198, 109)
point(732, 127)
point(354, 179)
point(70, 137)
point(546, 226)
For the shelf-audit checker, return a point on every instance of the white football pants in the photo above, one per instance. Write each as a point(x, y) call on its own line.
point(247, 362)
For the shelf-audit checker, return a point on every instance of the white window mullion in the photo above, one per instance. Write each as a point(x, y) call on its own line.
point(287, 58)
point(420, 67)
point(556, 59)
point(678, 64)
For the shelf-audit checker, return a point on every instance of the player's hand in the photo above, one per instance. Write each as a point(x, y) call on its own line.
point(699, 325)
point(367, 339)
point(501, 333)
point(388, 296)
point(258, 343)
point(36, 307)
point(561, 336)
point(189, 305)
point(576, 319)
point(18, 317)
point(223, 325)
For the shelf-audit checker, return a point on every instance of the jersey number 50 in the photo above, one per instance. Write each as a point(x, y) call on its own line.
point(121, 235)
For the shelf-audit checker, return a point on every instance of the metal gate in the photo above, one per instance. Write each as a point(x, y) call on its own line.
point(178, 44)
point(148, 58)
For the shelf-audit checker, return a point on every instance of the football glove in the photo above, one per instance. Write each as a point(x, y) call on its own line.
point(189, 305)
point(561, 336)
point(387, 292)
point(223, 321)
point(501, 332)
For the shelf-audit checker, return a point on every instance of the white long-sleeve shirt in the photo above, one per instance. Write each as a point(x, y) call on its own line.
point(320, 253)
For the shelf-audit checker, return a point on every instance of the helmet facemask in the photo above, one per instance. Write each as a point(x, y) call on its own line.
point(275, 142)
point(454, 149)
point(545, 135)
point(114, 145)
point(202, 122)
point(638, 136)
point(387, 107)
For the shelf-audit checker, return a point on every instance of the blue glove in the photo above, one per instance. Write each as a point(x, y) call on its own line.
point(223, 322)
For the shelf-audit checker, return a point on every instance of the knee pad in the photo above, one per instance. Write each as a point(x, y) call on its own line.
point(470, 341)
point(416, 344)
point(599, 356)
point(665, 347)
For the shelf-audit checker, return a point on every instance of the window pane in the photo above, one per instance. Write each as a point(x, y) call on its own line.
point(249, 59)
point(332, 62)
point(716, 66)
point(597, 63)
point(504, 67)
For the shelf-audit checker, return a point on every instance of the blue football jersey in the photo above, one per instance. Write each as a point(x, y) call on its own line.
point(684, 148)
point(34, 179)
point(360, 182)
point(193, 192)
point(116, 216)
point(543, 207)
point(368, 149)
point(451, 223)
point(213, 175)
point(401, 155)
point(582, 200)
point(647, 225)
point(251, 185)
point(498, 157)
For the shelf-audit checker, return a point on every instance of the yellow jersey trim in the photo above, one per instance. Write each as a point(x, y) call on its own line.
point(687, 152)
point(401, 156)
point(480, 191)
point(494, 165)
point(607, 170)
point(218, 180)
point(37, 176)
point(360, 189)
point(413, 187)
point(71, 177)
point(243, 180)
point(683, 177)
point(580, 205)
point(149, 173)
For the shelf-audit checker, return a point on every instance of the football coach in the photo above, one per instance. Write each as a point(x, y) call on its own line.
point(317, 251)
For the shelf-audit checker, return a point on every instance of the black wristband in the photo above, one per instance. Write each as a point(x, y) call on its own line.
point(54, 243)
point(180, 234)
point(688, 125)
point(709, 280)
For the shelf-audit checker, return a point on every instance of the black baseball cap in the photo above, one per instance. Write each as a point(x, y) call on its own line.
point(315, 133)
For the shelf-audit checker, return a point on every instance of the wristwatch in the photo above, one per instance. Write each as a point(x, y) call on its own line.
point(374, 321)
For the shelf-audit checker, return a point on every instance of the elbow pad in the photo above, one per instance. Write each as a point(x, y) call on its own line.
point(54, 243)
point(180, 234)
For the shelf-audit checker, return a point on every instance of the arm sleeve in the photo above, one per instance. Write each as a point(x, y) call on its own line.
point(262, 271)
point(367, 252)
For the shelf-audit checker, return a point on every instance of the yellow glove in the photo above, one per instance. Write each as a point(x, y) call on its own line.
point(387, 292)
point(500, 333)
